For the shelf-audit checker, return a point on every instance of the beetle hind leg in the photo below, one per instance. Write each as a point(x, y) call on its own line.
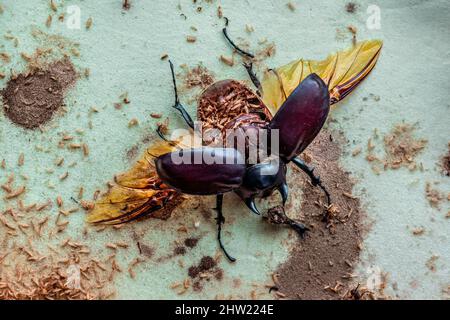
point(177, 104)
point(315, 180)
point(220, 220)
point(239, 50)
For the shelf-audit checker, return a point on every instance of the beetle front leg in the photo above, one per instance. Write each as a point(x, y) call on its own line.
point(220, 220)
point(177, 104)
point(249, 67)
point(315, 180)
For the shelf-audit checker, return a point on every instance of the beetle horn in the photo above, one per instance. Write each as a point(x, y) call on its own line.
point(250, 202)
point(284, 191)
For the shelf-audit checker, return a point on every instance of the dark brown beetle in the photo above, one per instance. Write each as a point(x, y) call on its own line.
point(303, 99)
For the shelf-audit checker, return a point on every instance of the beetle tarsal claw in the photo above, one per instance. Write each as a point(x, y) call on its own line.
point(284, 191)
point(250, 202)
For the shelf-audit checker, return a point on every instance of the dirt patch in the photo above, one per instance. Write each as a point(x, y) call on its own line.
point(205, 271)
point(179, 251)
point(321, 265)
point(351, 7)
point(146, 250)
point(191, 242)
point(30, 99)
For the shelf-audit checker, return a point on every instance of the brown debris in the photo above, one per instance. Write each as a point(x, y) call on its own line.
point(229, 61)
point(198, 76)
point(191, 39)
point(445, 163)
point(431, 263)
point(401, 148)
point(319, 266)
point(433, 196)
point(191, 242)
point(126, 4)
point(351, 7)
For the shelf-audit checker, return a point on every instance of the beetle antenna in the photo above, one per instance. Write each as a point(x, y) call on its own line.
point(225, 33)
point(174, 80)
point(162, 136)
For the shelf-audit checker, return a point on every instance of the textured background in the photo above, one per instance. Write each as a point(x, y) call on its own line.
point(123, 49)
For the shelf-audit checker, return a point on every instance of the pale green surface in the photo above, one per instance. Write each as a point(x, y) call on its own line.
point(123, 51)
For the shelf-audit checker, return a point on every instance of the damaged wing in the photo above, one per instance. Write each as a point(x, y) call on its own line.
point(341, 71)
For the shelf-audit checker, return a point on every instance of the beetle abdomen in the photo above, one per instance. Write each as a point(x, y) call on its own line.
point(225, 100)
point(301, 116)
point(202, 171)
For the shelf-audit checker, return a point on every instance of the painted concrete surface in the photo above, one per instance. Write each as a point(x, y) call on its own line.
point(123, 49)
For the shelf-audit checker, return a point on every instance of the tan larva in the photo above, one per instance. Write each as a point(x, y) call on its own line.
point(59, 201)
point(15, 193)
point(87, 205)
point(191, 39)
point(21, 160)
point(64, 176)
point(53, 6)
point(85, 149)
point(291, 6)
point(133, 122)
point(75, 52)
point(74, 146)
point(80, 192)
point(25, 56)
point(89, 23)
point(48, 22)
point(227, 60)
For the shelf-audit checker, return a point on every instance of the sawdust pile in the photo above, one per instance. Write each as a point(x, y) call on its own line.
point(321, 265)
point(197, 77)
point(30, 99)
point(401, 148)
point(433, 196)
point(39, 261)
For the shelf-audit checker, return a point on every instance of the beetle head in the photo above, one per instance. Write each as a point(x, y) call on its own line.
point(261, 179)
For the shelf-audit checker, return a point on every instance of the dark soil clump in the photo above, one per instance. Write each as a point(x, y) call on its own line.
point(351, 7)
point(191, 242)
point(179, 251)
point(30, 99)
point(206, 263)
point(445, 163)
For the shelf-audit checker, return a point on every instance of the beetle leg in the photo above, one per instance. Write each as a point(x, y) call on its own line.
point(177, 104)
point(315, 180)
point(162, 136)
point(284, 191)
point(277, 215)
point(225, 33)
point(249, 67)
point(220, 220)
